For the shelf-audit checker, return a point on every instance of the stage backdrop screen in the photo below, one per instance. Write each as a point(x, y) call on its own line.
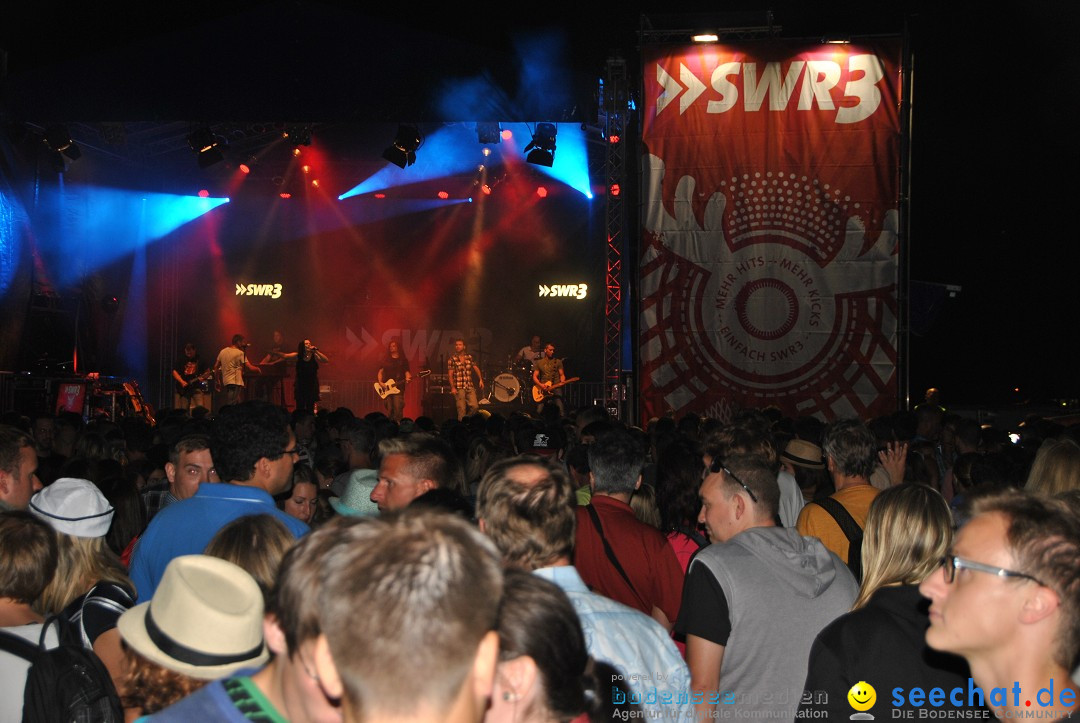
point(768, 268)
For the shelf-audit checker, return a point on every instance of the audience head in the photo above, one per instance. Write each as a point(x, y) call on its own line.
point(252, 443)
point(27, 556)
point(204, 622)
point(737, 494)
point(81, 516)
point(526, 506)
point(408, 606)
point(18, 465)
point(1056, 467)
point(413, 465)
point(300, 500)
point(256, 544)
point(545, 672)
point(850, 449)
point(749, 439)
point(1011, 582)
point(907, 531)
point(190, 465)
point(678, 478)
point(615, 462)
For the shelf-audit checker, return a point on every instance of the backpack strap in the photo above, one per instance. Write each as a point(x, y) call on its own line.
point(843, 518)
point(17, 645)
point(595, 517)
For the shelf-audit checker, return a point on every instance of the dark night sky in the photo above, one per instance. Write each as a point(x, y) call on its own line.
point(993, 159)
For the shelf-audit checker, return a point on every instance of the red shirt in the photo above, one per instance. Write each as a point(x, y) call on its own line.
point(642, 551)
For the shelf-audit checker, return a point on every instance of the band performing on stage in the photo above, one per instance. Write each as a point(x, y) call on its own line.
point(529, 379)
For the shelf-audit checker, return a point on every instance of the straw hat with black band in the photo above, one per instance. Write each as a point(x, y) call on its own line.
point(801, 453)
point(204, 621)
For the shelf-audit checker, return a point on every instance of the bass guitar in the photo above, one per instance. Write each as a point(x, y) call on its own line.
point(539, 394)
point(391, 387)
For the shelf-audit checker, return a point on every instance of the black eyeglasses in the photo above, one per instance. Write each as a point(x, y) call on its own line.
point(717, 466)
point(952, 563)
point(295, 451)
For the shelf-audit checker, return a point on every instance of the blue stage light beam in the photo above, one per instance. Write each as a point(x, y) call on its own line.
point(91, 227)
point(451, 150)
point(571, 164)
point(13, 224)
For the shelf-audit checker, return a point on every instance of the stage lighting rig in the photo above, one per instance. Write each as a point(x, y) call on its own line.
point(58, 139)
point(488, 133)
point(206, 145)
point(541, 150)
point(402, 152)
point(298, 135)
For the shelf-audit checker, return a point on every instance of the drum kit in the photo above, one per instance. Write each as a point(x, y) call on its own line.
point(510, 384)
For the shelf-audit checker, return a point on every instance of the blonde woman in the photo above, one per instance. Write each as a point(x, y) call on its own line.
point(91, 587)
point(908, 533)
point(1056, 467)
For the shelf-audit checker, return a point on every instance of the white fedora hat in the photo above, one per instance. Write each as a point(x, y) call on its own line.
point(204, 621)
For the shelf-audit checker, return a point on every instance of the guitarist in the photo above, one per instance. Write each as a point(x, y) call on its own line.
point(190, 375)
point(395, 366)
point(547, 372)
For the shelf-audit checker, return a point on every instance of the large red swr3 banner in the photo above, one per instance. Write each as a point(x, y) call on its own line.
point(769, 253)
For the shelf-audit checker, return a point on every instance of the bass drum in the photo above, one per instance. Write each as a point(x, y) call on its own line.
point(505, 388)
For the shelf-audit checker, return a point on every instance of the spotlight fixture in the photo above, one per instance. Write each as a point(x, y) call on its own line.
point(541, 150)
point(299, 135)
point(487, 132)
point(206, 145)
point(58, 139)
point(402, 152)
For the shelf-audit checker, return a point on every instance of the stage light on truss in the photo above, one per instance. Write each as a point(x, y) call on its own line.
point(299, 135)
point(203, 193)
point(486, 151)
point(487, 132)
point(507, 134)
point(206, 145)
point(245, 168)
point(315, 183)
point(58, 139)
point(402, 152)
point(541, 192)
point(705, 37)
point(443, 195)
point(541, 150)
point(296, 152)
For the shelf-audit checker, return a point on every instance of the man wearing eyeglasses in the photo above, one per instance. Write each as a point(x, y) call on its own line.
point(254, 450)
point(1007, 598)
point(755, 598)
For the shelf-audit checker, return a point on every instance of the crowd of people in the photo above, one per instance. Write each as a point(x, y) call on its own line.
point(261, 565)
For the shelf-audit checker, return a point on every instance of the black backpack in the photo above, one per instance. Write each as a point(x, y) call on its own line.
point(851, 530)
point(65, 684)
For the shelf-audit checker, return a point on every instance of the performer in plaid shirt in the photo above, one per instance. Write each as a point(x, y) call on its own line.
point(459, 371)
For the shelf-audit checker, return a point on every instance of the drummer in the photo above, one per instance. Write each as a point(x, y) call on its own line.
point(530, 353)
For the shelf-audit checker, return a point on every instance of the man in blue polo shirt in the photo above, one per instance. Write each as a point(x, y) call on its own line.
point(254, 450)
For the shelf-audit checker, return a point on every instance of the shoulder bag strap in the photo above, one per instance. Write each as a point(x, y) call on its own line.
point(611, 553)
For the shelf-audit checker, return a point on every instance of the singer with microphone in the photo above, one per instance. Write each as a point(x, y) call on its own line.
point(229, 369)
point(307, 357)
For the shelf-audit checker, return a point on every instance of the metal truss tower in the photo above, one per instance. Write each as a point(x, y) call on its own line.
point(613, 110)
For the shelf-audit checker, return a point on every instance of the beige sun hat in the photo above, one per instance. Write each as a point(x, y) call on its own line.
point(204, 621)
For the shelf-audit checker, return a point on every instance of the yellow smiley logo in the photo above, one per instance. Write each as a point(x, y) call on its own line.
point(862, 696)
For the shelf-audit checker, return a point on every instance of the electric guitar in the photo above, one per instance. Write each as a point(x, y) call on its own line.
point(198, 384)
point(539, 394)
point(391, 387)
